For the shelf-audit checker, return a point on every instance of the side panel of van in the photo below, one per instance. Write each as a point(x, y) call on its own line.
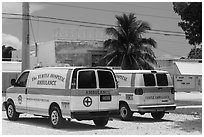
point(126, 87)
point(46, 87)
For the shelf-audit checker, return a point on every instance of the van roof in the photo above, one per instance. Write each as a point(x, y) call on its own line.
point(77, 67)
point(139, 71)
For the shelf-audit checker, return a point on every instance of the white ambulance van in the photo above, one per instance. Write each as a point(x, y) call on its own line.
point(145, 91)
point(64, 93)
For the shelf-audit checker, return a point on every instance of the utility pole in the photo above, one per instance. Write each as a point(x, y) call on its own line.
point(25, 37)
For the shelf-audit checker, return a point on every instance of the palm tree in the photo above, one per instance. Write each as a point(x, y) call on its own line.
point(127, 47)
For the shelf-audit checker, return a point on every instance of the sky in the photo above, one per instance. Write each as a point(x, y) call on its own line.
point(159, 15)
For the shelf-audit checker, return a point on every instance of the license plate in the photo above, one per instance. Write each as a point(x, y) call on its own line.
point(105, 98)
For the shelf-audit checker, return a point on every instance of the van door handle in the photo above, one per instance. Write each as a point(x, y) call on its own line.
point(159, 88)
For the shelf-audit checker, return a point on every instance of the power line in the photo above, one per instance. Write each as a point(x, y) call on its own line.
point(154, 31)
point(54, 18)
point(106, 10)
point(167, 52)
point(172, 41)
point(99, 27)
point(55, 22)
point(75, 25)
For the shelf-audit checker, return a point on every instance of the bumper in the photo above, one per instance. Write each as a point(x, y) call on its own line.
point(94, 115)
point(154, 108)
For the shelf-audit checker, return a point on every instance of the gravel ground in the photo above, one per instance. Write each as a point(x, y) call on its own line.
point(182, 121)
point(172, 124)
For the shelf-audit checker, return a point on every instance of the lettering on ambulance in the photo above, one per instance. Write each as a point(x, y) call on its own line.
point(157, 97)
point(124, 80)
point(48, 80)
point(97, 92)
point(38, 99)
point(121, 77)
point(45, 82)
point(92, 92)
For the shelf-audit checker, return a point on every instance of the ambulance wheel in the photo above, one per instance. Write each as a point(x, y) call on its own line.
point(56, 117)
point(101, 122)
point(11, 112)
point(125, 112)
point(158, 115)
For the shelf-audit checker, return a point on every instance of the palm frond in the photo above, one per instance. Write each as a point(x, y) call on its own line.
point(109, 55)
point(148, 41)
point(112, 32)
point(135, 64)
point(115, 61)
point(147, 49)
point(143, 27)
point(150, 58)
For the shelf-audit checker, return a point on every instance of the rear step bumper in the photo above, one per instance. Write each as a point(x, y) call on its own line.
point(154, 108)
point(94, 115)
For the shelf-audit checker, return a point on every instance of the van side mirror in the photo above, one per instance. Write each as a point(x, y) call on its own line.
point(13, 82)
point(117, 84)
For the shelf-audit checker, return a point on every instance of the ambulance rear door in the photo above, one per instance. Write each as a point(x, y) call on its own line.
point(108, 93)
point(84, 92)
point(156, 90)
point(165, 89)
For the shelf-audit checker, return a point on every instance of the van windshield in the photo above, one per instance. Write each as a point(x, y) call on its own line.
point(106, 79)
point(162, 80)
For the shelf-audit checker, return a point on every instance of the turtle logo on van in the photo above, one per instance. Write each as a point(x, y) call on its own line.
point(87, 101)
point(19, 99)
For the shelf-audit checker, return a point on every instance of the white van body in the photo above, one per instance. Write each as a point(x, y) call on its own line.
point(145, 91)
point(82, 93)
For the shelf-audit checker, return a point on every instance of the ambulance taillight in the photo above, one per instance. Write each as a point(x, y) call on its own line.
point(172, 90)
point(138, 91)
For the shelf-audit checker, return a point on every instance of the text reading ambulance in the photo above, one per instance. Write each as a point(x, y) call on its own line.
point(81, 93)
point(145, 91)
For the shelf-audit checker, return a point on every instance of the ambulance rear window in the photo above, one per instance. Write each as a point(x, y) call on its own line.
point(106, 79)
point(87, 79)
point(149, 79)
point(162, 80)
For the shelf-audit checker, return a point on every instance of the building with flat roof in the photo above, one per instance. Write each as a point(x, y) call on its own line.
point(186, 73)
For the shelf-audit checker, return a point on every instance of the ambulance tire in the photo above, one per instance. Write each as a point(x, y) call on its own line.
point(158, 115)
point(56, 119)
point(11, 112)
point(102, 122)
point(125, 112)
